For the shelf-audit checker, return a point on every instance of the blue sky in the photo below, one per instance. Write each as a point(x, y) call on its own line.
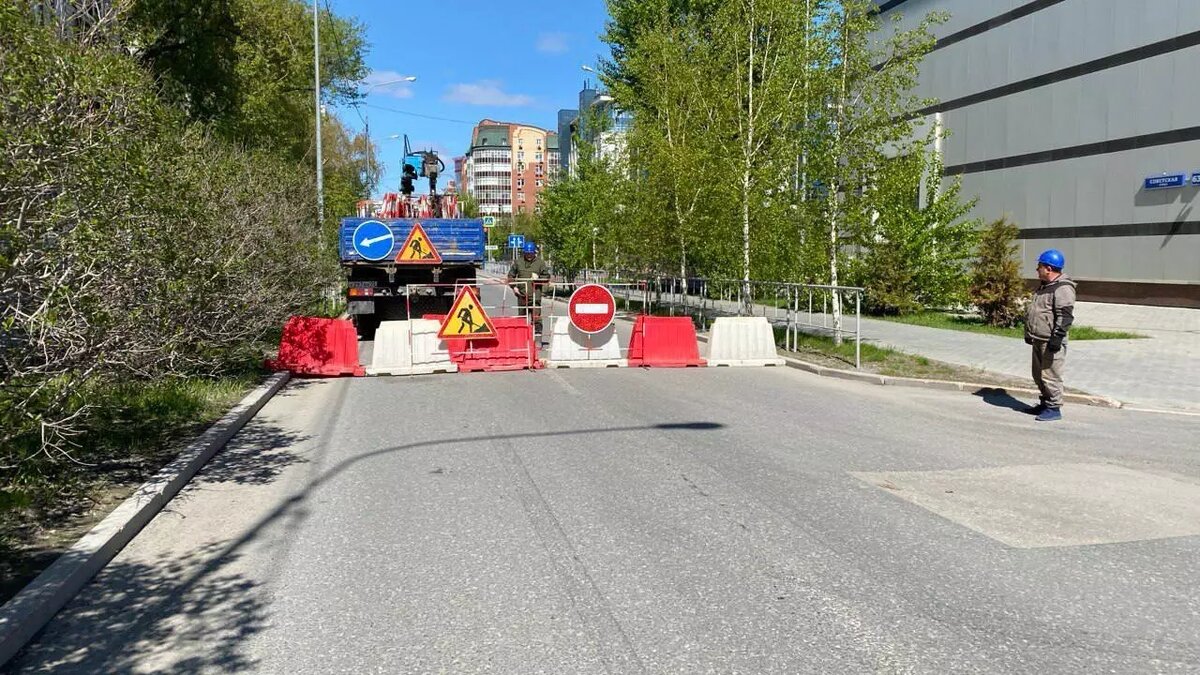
point(472, 59)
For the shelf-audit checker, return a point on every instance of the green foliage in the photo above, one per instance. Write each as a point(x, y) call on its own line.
point(245, 66)
point(467, 205)
point(156, 214)
point(997, 288)
point(775, 140)
point(913, 257)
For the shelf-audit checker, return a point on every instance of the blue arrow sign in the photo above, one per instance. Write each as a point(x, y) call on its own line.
point(373, 240)
point(516, 240)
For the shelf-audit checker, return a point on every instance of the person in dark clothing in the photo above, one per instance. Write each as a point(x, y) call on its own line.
point(1047, 324)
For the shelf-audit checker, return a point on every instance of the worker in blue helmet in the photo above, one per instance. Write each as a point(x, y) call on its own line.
point(1047, 323)
point(528, 275)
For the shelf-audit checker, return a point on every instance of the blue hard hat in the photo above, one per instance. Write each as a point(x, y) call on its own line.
point(529, 247)
point(1053, 258)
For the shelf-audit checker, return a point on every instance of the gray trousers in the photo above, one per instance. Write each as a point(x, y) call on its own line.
point(1048, 374)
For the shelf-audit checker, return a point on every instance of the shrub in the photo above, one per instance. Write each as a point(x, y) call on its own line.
point(997, 288)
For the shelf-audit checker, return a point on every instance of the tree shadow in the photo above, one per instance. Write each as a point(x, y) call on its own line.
point(193, 614)
point(163, 615)
point(1001, 399)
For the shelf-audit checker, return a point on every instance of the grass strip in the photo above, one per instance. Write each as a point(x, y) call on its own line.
point(975, 324)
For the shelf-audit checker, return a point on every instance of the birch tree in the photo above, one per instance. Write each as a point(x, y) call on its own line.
point(868, 111)
point(760, 55)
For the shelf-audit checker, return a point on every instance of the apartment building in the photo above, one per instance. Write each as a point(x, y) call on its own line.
point(508, 166)
point(1079, 120)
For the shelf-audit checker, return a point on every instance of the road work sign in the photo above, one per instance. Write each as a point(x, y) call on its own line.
point(418, 249)
point(467, 318)
point(592, 308)
point(373, 240)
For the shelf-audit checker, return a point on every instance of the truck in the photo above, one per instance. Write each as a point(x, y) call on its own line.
point(394, 275)
point(381, 288)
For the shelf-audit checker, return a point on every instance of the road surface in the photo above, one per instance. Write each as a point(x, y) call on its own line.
point(659, 521)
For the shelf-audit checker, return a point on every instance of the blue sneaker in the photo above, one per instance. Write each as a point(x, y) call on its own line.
point(1050, 415)
point(1035, 409)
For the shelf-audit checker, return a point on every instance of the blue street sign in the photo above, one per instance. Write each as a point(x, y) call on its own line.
point(1196, 178)
point(1173, 180)
point(373, 240)
point(516, 240)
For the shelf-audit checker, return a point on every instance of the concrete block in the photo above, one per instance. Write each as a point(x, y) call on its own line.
point(742, 341)
point(410, 348)
point(572, 348)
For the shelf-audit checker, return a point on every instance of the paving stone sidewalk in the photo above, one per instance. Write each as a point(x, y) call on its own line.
point(1160, 371)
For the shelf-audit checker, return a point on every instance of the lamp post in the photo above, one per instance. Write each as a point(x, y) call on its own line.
point(317, 109)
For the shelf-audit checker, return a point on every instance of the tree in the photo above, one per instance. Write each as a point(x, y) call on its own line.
point(869, 118)
point(914, 256)
point(467, 205)
point(997, 288)
point(245, 66)
point(673, 112)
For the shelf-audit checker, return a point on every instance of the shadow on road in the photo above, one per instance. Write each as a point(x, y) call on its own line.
point(192, 614)
point(1001, 399)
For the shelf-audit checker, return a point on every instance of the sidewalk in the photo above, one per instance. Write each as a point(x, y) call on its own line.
point(1161, 371)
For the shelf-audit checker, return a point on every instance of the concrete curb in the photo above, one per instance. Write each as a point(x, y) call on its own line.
point(27, 613)
point(943, 385)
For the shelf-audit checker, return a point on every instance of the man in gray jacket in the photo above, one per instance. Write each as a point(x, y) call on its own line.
point(1047, 321)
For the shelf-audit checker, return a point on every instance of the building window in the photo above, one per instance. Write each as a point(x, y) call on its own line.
point(520, 166)
point(520, 156)
point(520, 182)
point(539, 144)
point(539, 182)
point(521, 197)
point(537, 156)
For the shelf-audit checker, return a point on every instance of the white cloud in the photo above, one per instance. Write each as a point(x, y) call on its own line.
point(485, 92)
point(552, 43)
point(387, 83)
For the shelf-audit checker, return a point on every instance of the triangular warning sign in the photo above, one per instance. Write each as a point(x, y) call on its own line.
point(467, 318)
point(418, 249)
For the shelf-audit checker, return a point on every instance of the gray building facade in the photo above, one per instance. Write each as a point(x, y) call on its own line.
point(1080, 121)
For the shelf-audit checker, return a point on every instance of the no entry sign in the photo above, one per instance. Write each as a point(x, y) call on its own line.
point(591, 308)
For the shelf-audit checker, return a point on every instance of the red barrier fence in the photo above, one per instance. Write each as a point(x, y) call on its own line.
point(315, 346)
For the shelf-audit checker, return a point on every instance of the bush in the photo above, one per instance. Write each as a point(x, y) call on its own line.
point(134, 245)
point(997, 288)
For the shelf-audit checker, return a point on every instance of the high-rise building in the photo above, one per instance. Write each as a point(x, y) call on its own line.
point(597, 122)
point(508, 166)
point(1080, 121)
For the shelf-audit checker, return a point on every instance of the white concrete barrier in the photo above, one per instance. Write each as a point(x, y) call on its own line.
point(410, 348)
point(742, 341)
point(572, 348)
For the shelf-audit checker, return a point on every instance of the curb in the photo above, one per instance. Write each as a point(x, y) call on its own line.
point(943, 385)
point(30, 610)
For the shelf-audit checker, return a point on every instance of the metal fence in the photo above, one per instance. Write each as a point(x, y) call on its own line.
point(797, 308)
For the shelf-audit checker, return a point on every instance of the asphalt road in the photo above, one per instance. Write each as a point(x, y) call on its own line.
point(659, 521)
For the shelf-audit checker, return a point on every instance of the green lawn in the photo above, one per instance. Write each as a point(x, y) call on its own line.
point(134, 429)
point(975, 324)
point(822, 351)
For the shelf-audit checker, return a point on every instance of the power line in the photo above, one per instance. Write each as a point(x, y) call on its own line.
point(413, 114)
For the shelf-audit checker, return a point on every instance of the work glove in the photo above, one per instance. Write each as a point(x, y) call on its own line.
point(1054, 345)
